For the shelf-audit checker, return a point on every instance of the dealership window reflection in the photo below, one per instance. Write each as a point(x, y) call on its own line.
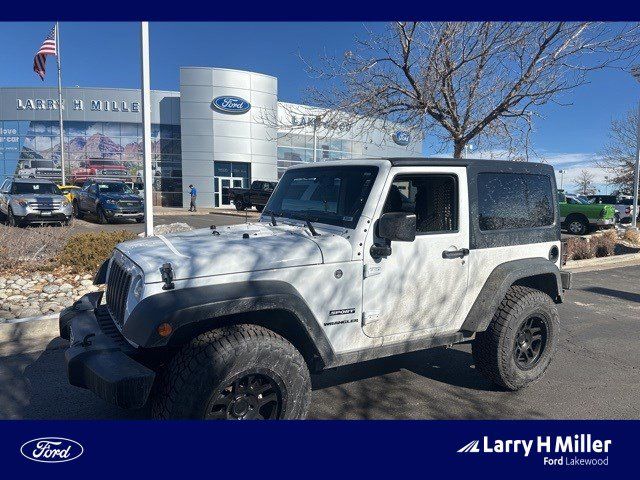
point(109, 149)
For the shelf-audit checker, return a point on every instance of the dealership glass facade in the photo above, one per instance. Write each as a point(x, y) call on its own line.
point(110, 149)
point(294, 149)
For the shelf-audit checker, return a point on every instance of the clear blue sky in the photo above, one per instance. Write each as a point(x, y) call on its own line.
point(107, 55)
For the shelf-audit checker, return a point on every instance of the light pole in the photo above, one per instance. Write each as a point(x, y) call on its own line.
point(561, 172)
point(635, 71)
point(146, 128)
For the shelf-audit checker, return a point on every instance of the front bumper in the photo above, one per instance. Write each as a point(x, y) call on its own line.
point(123, 213)
point(99, 359)
point(53, 217)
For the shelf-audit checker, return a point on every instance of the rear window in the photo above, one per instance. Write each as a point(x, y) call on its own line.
point(508, 201)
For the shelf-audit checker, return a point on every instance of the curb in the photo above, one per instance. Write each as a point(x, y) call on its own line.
point(6, 321)
point(30, 335)
point(615, 261)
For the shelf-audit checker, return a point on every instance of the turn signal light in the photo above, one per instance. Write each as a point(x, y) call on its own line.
point(164, 329)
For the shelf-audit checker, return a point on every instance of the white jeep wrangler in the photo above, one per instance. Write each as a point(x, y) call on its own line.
point(350, 261)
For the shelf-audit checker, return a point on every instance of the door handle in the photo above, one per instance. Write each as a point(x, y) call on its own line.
point(463, 252)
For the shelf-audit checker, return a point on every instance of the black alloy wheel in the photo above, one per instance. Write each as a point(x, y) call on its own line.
point(530, 342)
point(252, 396)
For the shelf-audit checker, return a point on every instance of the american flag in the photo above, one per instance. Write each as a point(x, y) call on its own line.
point(48, 48)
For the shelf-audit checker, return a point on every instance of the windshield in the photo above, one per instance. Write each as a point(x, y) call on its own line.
point(331, 195)
point(577, 200)
point(35, 188)
point(114, 188)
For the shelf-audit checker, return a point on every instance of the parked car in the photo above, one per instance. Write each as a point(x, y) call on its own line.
point(255, 196)
point(69, 191)
point(108, 200)
point(577, 216)
point(24, 201)
point(229, 322)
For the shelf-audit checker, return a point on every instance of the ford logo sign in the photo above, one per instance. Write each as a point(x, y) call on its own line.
point(402, 138)
point(51, 450)
point(228, 104)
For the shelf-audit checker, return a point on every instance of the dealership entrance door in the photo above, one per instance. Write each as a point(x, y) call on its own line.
point(229, 175)
point(222, 190)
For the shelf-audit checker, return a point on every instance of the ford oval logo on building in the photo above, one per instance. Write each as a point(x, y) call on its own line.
point(51, 450)
point(402, 138)
point(233, 105)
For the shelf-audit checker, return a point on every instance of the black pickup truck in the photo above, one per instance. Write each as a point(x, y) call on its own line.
point(256, 196)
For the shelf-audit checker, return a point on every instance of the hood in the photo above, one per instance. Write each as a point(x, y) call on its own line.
point(38, 197)
point(236, 249)
point(127, 197)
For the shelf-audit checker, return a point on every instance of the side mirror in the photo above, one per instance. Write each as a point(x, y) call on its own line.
point(397, 226)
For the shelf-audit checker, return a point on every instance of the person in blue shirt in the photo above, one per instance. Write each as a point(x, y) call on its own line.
point(194, 193)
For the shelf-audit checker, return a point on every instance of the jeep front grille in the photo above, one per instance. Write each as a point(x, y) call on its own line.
point(117, 291)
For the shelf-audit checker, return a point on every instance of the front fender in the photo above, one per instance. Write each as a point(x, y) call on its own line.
point(186, 308)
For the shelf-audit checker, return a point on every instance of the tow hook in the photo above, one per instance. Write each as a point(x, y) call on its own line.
point(85, 342)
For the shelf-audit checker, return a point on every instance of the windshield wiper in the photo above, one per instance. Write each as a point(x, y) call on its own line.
point(311, 228)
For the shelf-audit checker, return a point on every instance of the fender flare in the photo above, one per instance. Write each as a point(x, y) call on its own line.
point(529, 271)
point(185, 309)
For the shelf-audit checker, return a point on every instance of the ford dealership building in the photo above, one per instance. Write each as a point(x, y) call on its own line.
point(224, 128)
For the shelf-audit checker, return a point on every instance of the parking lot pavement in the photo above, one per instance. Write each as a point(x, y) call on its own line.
point(196, 221)
point(595, 374)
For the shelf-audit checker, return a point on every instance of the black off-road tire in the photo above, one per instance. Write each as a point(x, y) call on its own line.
point(239, 205)
point(259, 208)
point(494, 350)
point(195, 376)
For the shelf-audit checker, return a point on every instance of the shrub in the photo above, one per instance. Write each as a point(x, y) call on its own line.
point(579, 249)
point(85, 252)
point(604, 245)
point(632, 236)
point(33, 248)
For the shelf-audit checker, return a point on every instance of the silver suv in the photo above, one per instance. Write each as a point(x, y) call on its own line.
point(29, 200)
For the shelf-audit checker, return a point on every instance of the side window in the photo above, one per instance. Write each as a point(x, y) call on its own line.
point(433, 198)
point(512, 201)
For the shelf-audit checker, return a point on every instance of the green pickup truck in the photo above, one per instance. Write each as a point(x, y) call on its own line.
point(578, 215)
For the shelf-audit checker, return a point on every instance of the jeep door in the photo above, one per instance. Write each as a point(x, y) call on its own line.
point(421, 284)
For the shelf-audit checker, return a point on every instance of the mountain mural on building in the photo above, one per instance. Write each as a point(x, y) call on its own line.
point(98, 145)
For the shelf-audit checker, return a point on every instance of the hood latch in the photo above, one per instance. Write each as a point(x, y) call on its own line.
point(167, 276)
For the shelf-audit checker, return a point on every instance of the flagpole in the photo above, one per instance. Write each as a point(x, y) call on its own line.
point(60, 102)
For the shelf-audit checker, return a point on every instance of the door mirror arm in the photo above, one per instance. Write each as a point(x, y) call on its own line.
point(380, 250)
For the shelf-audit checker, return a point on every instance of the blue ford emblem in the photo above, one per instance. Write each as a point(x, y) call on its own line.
point(402, 138)
point(51, 450)
point(229, 104)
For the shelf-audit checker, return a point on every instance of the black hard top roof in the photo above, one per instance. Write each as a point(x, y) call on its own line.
point(477, 164)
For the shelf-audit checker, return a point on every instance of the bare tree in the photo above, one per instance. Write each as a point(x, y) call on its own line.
point(584, 183)
point(467, 81)
point(618, 155)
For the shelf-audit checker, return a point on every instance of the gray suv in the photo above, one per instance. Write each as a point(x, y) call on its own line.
point(27, 200)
